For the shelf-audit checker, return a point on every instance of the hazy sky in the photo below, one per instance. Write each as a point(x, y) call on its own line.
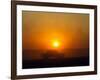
point(40, 29)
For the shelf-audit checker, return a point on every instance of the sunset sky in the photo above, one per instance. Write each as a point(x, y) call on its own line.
point(50, 30)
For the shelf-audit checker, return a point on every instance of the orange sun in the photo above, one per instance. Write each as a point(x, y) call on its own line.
point(56, 44)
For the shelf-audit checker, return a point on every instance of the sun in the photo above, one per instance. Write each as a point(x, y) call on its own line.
point(56, 44)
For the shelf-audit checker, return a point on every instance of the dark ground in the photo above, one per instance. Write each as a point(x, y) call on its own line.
point(38, 59)
point(55, 63)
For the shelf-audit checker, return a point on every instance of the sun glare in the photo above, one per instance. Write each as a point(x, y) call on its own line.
point(56, 44)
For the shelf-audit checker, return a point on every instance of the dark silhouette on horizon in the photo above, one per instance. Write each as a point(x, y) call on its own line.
point(53, 58)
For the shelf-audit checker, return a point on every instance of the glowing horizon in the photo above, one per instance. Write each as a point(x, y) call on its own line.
point(49, 30)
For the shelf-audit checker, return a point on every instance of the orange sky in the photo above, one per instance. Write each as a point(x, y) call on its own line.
point(41, 29)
